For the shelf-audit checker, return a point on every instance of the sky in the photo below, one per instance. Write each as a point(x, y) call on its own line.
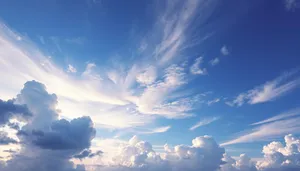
point(92, 85)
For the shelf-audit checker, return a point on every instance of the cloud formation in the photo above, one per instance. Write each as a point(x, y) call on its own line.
point(269, 91)
point(48, 143)
point(224, 50)
point(270, 128)
point(195, 68)
point(204, 122)
point(9, 110)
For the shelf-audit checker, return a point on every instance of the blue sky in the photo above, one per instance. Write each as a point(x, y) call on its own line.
point(166, 71)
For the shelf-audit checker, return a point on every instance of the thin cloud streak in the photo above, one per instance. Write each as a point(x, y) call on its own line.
point(204, 122)
point(272, 128)
point(269, 91)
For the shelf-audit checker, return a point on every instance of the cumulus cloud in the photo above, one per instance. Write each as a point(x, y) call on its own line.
point(48, 143)
point(280, 157)
point(242, 163)
point(203, 154)
point(9, 110)
point(65, 135)
point(269, 91)
point(195, 68)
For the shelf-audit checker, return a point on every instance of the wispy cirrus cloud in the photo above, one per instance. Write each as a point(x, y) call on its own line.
point(176, 22)
point(135, 94)
point(269, 91)
point(271, 128)
point(204, 122)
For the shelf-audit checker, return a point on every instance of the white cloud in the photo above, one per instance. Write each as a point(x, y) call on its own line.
point(77, 95)
point(175, 24)
point(71, 69)
point(214, 62)
point(269, 91)
point(203, 154)
point(148, 76)
point(276, 155)
point(216, 100)
point(204, 122)
point(155, 97)
point(195, 68)
point(271, 128)
point(224, 51)
point(241, 163)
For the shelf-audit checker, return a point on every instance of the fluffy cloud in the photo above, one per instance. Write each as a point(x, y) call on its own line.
point(195, 68)
point(48, 143)
point(76, 134)
point(137, 155)
point(9, 110)
point(278, 155)
point(242, 163)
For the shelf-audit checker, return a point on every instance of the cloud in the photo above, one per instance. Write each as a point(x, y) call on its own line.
point(291, 5)
point(147, 77)
point(76, 134)
point(5, 140)
point(175, 22)
point(216, 100)
point(71, 69)
point(214, 62)
point(242, 163)
point(87, 92)
point(114, 90)
point(224, 50)
point(88, 153)
point(10, 110)
point(48, 143)
point(274, 127)
point(204, 122)
point(269, 91)
point(204, 154)
point(155, 98)
point(281, 157)
point(195, 68)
